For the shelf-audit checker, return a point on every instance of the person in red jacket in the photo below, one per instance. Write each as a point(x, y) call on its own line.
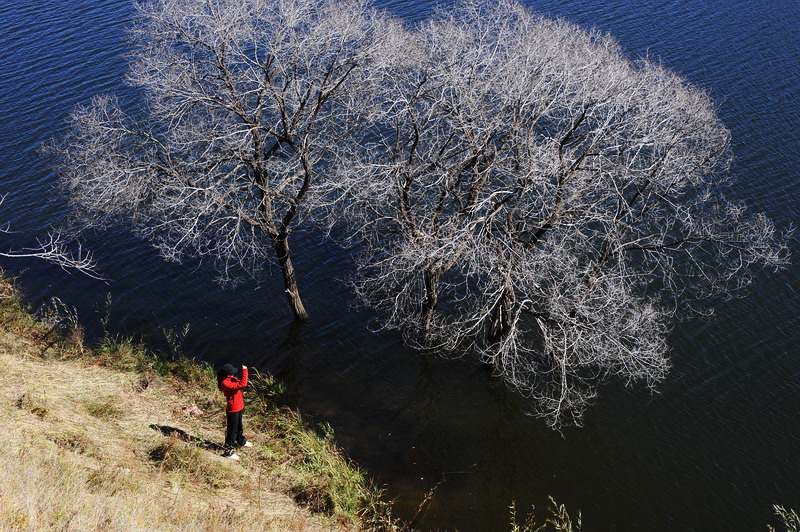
point(232, 388)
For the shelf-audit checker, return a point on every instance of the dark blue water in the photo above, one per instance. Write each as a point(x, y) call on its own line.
point(713, 451)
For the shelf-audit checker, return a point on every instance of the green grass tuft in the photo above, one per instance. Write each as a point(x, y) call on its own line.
point(789, 518)
point(104, 409)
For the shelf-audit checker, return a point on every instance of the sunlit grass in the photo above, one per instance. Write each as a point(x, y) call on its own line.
point(92, 461)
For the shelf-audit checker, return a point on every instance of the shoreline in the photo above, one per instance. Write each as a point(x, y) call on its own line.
point(127, 425)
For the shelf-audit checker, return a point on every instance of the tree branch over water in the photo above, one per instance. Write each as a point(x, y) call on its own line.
point(55, 248)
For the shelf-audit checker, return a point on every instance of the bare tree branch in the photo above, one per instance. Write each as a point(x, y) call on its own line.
point(57, 249)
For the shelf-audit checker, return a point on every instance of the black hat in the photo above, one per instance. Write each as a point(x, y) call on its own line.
point(228, 369)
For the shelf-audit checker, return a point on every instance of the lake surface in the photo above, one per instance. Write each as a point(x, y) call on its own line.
point(713, 451)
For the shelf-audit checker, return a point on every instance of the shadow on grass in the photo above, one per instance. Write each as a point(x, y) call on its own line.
point(185, 436)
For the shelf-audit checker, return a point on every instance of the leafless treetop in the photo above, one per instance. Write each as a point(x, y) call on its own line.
point(527, 193)
point(240, 103)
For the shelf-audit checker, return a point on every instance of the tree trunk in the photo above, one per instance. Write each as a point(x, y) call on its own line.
point(499, 326)
point(431, 300)
point(281, 245)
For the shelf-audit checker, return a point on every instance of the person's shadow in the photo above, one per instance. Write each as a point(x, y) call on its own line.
point(185, 436)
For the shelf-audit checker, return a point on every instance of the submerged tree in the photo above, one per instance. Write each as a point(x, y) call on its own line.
point(518, 188)
point(524, 192)
point(241, 105)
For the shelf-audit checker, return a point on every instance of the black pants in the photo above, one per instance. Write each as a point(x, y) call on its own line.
point(234, 436)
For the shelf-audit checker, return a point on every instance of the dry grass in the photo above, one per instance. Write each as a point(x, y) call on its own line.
point(82, 454)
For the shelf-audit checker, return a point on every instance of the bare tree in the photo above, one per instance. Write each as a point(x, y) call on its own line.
point(524, 192)
point(240, 108)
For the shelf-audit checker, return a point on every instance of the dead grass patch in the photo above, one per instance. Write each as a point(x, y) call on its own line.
point(73, 441)
point(33, 403)
point(112, 479)
point(174, 455)
point(13, 519)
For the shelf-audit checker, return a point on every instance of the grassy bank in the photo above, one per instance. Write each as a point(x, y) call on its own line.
point(115, 437)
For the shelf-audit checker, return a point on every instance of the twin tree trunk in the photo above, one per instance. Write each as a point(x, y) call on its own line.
point(498, 326)
point(281, 246)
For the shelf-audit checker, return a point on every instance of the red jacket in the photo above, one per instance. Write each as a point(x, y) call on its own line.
point(232, 388)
